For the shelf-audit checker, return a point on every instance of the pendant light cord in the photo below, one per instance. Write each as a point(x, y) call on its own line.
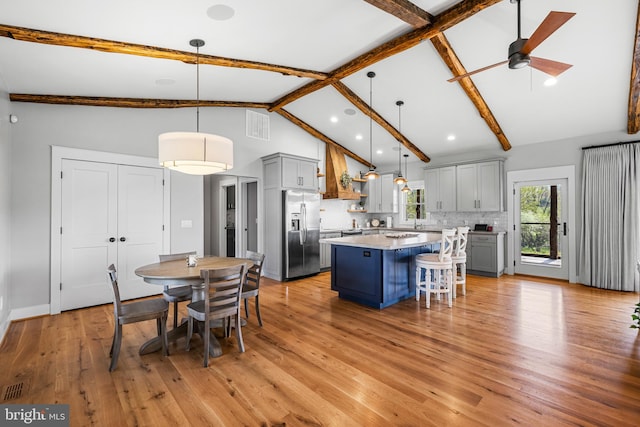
point(371, 76)
point(198, 89)
point(399, 104)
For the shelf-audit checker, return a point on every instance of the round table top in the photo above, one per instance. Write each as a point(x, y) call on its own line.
point(178, 269)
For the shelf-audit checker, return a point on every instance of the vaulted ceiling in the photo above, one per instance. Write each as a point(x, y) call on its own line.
point(308, 61)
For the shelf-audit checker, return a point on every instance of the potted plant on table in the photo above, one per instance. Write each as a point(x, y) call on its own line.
point(636, 317)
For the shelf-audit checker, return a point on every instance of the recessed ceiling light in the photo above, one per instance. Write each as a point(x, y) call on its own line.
point(165, 82)
point(358, 137)
point(220, 12)
point(451, 137)
point(378, 151)
point(350, 111)
point(550, 81)
point(334, 119)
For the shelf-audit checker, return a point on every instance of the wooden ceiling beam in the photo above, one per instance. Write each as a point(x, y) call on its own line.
point(403, 10)
point(322, 137)
point(633, 121)
point(367, 110)
point(96, 101)
point(59, 39)
point(447, 19)
point(450, 58)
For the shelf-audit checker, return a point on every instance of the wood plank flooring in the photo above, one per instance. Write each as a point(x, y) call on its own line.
point(513, 351)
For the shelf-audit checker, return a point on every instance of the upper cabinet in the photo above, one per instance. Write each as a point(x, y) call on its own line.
point(288, 171)
point(479, 186)
point(382, 195)
point(440, 189)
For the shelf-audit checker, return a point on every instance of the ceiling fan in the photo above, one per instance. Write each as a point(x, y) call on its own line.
point(520, 49)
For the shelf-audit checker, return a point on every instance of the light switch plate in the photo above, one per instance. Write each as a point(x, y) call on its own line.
point(186, 223)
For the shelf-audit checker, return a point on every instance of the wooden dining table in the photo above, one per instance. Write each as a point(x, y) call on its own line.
point(178, 273)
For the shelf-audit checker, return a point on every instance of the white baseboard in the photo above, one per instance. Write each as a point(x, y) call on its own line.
point(26, 312)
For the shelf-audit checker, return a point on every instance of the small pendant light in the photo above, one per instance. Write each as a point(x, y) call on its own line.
point(406, 188)
point(399, 179)
point(371, 174)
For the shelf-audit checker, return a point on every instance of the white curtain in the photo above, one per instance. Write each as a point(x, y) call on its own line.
point(610, 244)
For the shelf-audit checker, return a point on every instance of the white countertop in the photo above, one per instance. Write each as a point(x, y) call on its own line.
point(424, 229)
point(385, 242)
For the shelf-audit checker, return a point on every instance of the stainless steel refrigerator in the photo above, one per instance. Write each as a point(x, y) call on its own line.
point(301, 233)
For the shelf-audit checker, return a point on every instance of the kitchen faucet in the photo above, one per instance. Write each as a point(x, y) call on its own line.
point(415, 220)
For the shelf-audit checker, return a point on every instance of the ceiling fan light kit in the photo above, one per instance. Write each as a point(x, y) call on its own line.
point(195, 153)
point(518, 59)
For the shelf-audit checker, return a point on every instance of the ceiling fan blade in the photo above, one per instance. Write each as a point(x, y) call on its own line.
point(455, 79)
point(553, 68)
point(551, 23)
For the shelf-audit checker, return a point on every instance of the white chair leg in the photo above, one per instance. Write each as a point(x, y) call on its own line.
point(455, 279)
point(463, 274)
point(429, 283)
point(450, 284)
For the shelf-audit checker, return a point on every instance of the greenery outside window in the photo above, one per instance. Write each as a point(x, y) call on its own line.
point(413, 204)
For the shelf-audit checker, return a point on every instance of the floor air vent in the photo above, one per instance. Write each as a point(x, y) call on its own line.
point(15, 391)
point(257, 125)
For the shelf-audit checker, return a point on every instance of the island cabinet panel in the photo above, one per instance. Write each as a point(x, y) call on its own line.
point(356, 273)
point(399, 282)
point(375, 277)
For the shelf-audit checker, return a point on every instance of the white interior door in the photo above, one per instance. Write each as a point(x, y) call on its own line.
point(89, 232)
point(110, 214)
point(140, 220)
point(540, 228)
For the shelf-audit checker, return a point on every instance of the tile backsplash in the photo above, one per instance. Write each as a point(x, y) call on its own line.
point(334, 215)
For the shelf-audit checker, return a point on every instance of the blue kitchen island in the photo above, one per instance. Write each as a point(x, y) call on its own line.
point(378, 270)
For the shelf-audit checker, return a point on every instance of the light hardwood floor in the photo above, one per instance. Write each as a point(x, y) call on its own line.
point(513, 351)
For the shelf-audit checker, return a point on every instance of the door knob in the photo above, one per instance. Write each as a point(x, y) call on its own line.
point(123, 239)
point(112, 239)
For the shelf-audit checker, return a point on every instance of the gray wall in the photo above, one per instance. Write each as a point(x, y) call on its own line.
point(125, 131)
point(5, 209)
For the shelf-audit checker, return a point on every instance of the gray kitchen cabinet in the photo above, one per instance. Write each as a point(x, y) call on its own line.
point(440, 189)
point(485, 254)
point(479, 187)
point(325, 250)
point(290, 172)
point(382, 195)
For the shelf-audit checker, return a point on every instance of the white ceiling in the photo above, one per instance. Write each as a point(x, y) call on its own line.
point(590, 98)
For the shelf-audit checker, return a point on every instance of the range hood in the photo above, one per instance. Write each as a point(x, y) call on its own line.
point(335, 164)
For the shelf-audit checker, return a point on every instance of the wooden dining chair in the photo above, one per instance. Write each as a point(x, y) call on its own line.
point(251, 286)
point(223, 291)
point(134, 312)
point(176, 294)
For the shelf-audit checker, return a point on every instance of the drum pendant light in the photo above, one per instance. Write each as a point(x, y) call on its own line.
point(371, 174)
point(399, 179)
point(406, 188)
point(195, 153)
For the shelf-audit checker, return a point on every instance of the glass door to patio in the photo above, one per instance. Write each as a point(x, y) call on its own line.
point(541, 228)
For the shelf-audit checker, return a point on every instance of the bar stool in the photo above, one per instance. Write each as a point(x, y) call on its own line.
point(459, 259)
point(438, 270)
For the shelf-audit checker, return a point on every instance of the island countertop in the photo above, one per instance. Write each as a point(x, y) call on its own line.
point(386, 242)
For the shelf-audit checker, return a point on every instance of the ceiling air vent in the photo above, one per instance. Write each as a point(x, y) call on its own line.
point(257, 125)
